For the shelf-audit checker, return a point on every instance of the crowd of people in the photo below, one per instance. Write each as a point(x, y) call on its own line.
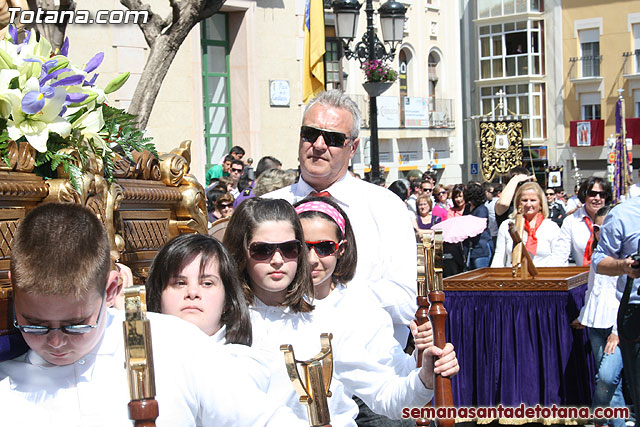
point(305, 252)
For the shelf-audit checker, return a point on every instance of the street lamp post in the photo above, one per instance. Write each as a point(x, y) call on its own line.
point(392, 15)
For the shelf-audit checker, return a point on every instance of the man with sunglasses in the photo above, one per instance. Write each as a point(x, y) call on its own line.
point(576, 234)
point(383, 230)
point(74, 372)
point(235, 172)
point(556, 211)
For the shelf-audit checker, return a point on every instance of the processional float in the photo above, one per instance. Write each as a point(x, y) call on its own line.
point(430, 301)
point(313, 389)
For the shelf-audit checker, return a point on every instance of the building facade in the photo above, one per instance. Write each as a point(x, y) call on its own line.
point(559, 64)
point(601, 47)
point(513, 51)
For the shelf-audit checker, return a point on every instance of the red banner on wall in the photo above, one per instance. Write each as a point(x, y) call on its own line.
point(633, 129)
point(586, 133)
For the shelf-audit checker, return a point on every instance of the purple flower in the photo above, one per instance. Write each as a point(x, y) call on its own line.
point(94, 62)
point(64, 50)
point(34, 101)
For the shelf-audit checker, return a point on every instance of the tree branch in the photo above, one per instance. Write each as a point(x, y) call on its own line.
point(210, 7)
point(154, 25)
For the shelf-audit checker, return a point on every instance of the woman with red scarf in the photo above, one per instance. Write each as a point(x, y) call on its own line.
point(539, 231)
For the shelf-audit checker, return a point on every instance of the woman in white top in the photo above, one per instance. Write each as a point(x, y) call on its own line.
point(576, 234)
point(539, 230)
point(264, 236)
point(599, 315)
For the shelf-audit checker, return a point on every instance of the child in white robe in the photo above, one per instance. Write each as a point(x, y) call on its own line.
point(73, 374)
point(265, 238)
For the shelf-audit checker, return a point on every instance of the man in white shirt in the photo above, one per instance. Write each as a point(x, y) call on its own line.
point(73, 374)
point(384, 234)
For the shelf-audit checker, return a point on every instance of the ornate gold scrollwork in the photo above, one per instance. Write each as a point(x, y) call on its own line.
point(175, 165)
point(22, 157)
point(500, 147)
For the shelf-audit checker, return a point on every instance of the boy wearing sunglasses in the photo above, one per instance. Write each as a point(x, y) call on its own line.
point(74, 372)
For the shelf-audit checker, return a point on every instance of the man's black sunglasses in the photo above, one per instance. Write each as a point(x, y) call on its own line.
point(331, 138)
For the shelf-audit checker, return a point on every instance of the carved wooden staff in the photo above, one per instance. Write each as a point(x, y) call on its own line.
point(443, 395)
point(314, 389)
point(143, 408)
point(422, 314)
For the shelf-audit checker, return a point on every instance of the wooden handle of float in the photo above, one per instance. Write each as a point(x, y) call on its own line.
point(143, 413)
point(443, 395)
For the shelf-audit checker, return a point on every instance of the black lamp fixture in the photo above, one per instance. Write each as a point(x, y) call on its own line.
point(392, 15)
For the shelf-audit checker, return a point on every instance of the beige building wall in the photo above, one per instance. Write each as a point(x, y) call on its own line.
point(266, 42)
point(429, 27)
point(613, 20)
point(177, 113)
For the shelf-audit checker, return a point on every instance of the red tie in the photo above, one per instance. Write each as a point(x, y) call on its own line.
point(586, 259)
point(320, 194)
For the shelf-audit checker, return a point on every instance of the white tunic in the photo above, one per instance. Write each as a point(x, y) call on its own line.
point(573, 238)
point(600, 309)
point(385, 239)
point(546, 233)
point(356, 370)
point(198, 383)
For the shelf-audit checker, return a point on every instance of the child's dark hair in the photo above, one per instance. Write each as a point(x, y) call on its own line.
point(346, 264)
point(174, 257)
point(603, 211)
point(244, 221)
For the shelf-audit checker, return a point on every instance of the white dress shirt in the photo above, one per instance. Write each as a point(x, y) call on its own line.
point(387, 256)
point(356, 371)
point(573, 238)
point(600, 309)
point(634, 190)
point(546, 233)
point(359, 301)
point(198, 383)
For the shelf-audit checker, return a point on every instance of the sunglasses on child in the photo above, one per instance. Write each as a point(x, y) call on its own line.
point(331, 138)
point(262, 251)
point(69, 329)
point(324, 248)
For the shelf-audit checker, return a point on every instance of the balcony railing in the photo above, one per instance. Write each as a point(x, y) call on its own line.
point(585, 66)
point(631, 62)
point(409, 112)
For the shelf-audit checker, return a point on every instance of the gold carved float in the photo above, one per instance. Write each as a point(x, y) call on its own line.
point(151, 201)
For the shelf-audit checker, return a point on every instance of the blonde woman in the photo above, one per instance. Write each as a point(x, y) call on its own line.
point(424, 219)
point(539, 231)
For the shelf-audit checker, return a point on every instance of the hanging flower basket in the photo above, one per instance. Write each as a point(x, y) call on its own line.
point(376, 88)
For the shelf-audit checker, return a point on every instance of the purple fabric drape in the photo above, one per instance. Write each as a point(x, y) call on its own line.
point(518, 347)
point(12, 346)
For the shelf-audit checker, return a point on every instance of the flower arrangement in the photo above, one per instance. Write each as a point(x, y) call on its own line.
point(53, 105)
point(377, 71)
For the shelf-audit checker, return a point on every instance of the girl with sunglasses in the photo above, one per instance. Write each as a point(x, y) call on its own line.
point(333, 259)
point(265, 237)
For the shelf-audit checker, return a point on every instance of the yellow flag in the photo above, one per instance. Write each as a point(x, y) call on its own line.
point(313, 64)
